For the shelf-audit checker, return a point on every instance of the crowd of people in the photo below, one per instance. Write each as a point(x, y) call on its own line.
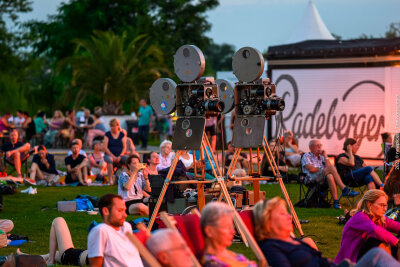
point(367, 238)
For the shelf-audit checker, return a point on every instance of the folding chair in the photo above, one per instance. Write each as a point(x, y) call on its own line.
point(312, 192)
point(24, 162)
point(354, 186)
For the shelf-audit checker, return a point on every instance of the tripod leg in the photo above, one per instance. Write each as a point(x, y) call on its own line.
point(164, 189)
point(234, 161)
point(229, 202)
point(205, 139)
point(282, 186)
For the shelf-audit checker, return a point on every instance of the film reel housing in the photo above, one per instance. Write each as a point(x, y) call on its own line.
point(253, 95)
point(189, 63)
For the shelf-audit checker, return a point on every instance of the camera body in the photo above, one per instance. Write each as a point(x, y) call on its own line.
point(199, 98)
point(257, 98)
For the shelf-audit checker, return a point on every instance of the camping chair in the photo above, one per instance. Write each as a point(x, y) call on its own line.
point(189, 227)
point(24, 162)
point(314, 194)
point(355, 186)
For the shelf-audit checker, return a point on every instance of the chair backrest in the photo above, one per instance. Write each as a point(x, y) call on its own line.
point(248, 219)
point(189, 227)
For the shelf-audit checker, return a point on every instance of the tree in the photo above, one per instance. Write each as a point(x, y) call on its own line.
point(394, 30)
point(219, 56)
point(170, 24)
point(106, 67)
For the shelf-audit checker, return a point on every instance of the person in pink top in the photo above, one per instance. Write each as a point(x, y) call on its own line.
point(369, 228)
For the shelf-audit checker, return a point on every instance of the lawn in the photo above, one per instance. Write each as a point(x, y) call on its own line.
point(33, 214)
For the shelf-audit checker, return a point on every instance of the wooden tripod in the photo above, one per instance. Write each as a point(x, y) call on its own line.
point(218, 179)
point(256, 177)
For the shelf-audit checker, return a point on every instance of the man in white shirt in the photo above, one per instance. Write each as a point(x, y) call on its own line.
point(107, 243)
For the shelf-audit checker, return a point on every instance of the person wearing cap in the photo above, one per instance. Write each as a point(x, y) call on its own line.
point(132, 187)
point(96, 159)
point(76, 165)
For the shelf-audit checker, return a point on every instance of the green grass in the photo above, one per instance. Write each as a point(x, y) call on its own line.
point(32, 216)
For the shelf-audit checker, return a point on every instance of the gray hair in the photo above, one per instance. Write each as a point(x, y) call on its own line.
point(212, 212)
point(311, 142)
point(162, 240)
point(165, 142)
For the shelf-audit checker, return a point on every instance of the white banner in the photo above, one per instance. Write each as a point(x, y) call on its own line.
point(334, 104)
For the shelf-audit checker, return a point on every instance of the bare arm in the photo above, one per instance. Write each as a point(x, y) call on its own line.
point(123, 145)
point(93, 162)
point(23, 148)
point(96, 261)
point(311, 168)
point(348, 161)
point(106, 150)
point(147, 185)
point(83, 164)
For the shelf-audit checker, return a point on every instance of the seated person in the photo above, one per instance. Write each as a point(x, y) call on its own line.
point(386, 143)
point(61, 248)
point(206, 163)
point(167, 246)
point(187, 160)
point(368, 228)
point(108, 244)
point(81, 151)
point(352, 168)
point(218, 230)
point(131, 186)
point(392, 188)
point(5, 125)
point(273, 228)
point(152, 160)
point(282, 167)
point(292, 151)
point(242, 161)
point(96, 160)
point(76, 166)
point(318, 169)
point(114, 147)
point(96, 129)
point(165, 155)
point(15, 151)
point(43, 169)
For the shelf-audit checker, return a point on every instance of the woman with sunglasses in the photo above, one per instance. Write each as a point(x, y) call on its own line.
point(369, 228)
point(273, 228)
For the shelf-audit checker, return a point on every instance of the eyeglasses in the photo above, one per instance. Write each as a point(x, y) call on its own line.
point(383, 205)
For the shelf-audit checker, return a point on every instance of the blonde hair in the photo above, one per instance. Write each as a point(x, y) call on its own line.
point(114, 121)
point(369, 198)
point(262, 217)
point(59, 114)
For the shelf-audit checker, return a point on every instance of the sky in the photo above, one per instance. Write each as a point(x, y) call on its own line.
point(264, 23)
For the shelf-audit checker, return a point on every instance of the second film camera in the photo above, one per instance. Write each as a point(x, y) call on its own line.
point(254, 95)
point(255, 98)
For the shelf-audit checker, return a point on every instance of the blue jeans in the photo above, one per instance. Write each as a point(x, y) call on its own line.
point(377, 257)
point(361, 176)
point(144, 134)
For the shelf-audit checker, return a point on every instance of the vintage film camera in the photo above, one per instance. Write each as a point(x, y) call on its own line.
point(255, 98)
point(193, 99)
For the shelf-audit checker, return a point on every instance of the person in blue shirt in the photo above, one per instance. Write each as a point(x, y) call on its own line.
point(145, 115)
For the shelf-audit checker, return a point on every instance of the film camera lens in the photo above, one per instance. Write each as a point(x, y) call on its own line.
point(213, 105)
point(274, 103)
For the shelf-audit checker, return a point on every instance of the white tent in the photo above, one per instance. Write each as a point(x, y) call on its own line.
point(311, 27)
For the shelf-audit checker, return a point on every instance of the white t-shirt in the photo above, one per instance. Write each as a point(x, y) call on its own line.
point(114, 246)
